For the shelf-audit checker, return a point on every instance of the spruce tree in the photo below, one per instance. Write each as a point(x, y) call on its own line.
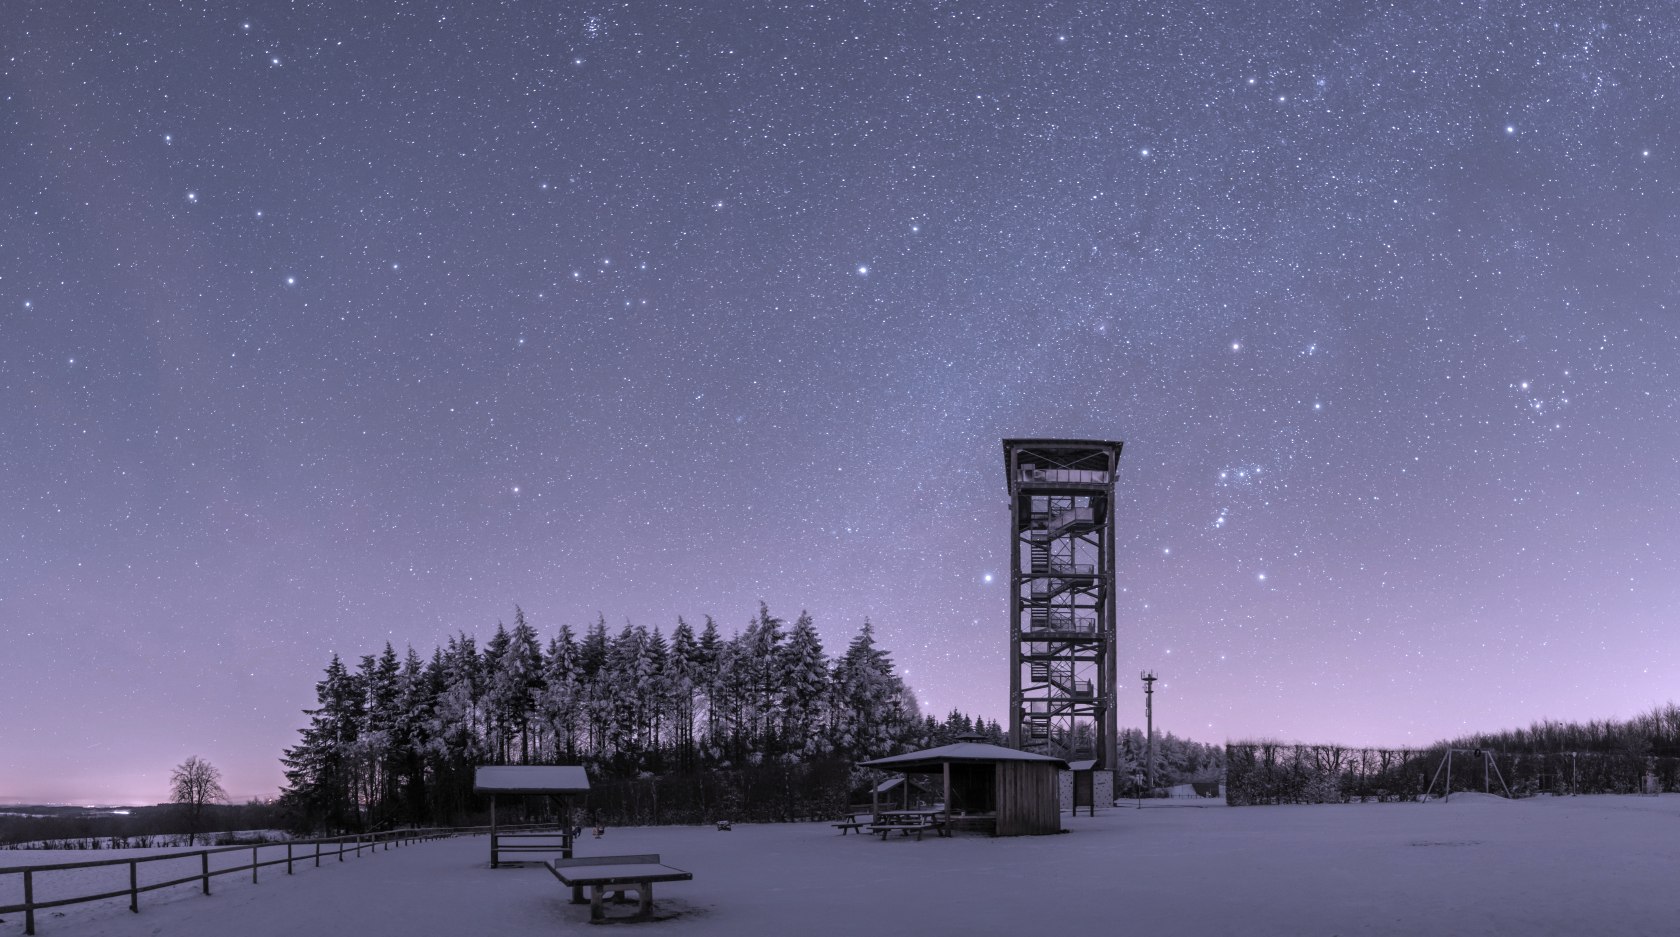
point(805, 690)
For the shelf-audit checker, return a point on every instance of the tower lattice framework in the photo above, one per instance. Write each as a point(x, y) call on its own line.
point(1062, 685)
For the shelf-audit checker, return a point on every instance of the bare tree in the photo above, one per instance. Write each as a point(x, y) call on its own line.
point(193, 784)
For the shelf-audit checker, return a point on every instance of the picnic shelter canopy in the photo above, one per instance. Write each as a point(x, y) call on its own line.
point(1018, 791)
point(556, 782)
point(531, 779)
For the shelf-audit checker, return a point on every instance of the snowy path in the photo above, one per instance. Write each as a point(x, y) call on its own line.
point(1599, 865)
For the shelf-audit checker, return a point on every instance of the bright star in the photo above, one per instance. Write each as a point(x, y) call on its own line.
point(1236, 346)
point(291, 281)
point(863, 270)
point(987, 577)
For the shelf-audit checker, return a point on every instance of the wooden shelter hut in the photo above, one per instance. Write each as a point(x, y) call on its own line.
point(559, 783)
point(988, 787)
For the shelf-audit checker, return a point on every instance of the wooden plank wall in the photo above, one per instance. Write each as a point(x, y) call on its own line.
point(1028, 799)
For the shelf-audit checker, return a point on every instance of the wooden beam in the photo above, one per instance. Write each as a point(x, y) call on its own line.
point(947, 797)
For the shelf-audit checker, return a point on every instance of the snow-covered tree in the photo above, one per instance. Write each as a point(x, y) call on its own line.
point(804, 691)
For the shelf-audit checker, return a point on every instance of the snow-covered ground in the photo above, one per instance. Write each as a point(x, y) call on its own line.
point(1479, 865)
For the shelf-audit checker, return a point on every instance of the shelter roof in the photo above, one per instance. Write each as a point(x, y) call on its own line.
point(957, 753)
point(530, 779)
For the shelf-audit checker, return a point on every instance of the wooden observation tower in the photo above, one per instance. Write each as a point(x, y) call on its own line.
point(1062, 670)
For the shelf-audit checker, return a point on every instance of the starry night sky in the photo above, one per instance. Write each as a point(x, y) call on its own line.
point(324, 325)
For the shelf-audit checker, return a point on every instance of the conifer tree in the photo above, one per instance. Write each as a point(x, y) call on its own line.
point(805, 690)
point(684, 684)
point(562, 696)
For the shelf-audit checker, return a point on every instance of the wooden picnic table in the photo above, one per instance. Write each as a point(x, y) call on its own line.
point(616, 874)
point(910, 821)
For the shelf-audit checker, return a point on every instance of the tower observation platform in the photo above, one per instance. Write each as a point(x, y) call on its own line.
point(1061, 603)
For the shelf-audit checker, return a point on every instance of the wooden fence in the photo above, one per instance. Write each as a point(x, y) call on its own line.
point(297, 851)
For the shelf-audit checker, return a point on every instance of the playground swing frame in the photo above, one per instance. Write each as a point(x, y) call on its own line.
point(1490, 770)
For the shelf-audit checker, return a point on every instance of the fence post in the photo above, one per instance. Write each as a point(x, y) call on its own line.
point(317, 854)
point(288, 858)
point(341, 849)
point(134, 886)
point(253, 865)
point(204, 867)
point(29, 901)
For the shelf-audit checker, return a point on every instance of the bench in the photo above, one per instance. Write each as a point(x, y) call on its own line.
point(847, 824)
point(616, 874)
point(559, 841)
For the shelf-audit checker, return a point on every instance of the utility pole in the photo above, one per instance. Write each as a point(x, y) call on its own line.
point(1148, 678)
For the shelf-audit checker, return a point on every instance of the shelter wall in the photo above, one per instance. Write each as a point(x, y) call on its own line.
point(1028, 799)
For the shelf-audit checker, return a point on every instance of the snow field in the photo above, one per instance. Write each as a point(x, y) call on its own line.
point(1555, 866)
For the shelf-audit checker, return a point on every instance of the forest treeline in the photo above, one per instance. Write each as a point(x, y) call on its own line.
point(759, 724)
point(1551, 757)
point(60, 827)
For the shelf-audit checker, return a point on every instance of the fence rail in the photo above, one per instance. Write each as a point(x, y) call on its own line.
point(352, 845)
